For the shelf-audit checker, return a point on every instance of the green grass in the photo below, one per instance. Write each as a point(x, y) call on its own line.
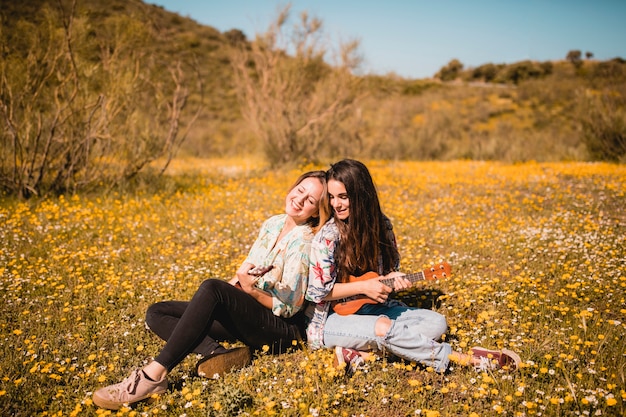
point(539, 262)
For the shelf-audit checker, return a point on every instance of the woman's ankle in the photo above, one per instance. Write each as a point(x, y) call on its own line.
point(461, 358)
point(155, 371)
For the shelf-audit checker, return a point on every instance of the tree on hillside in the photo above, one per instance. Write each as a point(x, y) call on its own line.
point(235, 36)
point(575, 57)
point(294, 99)
point(523, 70)
point(486, 72)
point(85, 103)
point(451, 71)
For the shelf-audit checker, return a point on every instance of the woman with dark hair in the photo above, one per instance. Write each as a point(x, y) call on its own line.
point(261, 305)
point(359, 239)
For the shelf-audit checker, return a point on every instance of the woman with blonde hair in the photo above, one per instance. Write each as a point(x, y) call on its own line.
point(262, 305)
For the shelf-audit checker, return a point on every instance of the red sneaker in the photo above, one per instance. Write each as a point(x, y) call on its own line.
point(495, 359)
point(350, 359)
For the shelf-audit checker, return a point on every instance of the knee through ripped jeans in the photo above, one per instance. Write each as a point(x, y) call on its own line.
point(414, 333)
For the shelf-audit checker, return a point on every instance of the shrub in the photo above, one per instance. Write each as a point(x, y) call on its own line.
point(451, 71)
point(293, 99)
point(85, 103)
point(603, 122)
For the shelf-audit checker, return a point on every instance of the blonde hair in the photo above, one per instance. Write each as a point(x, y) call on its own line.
point(323, 208)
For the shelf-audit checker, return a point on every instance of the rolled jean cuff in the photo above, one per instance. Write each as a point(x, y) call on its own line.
point(444, 362)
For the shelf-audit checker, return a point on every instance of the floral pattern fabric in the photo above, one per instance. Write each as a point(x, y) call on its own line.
point(322, 278)
point(287, 281)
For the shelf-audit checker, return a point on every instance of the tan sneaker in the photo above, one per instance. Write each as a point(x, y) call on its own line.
point(218, 364)
point(134, 388)
point(495, 359)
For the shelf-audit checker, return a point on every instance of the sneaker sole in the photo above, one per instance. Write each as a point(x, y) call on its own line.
point(109, 405)
point(221, 364)
point(516, 359)
point(338, 361)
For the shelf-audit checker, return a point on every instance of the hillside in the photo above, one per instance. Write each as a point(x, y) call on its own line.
point(174, 38)
point(545, 116)
point(520, 111)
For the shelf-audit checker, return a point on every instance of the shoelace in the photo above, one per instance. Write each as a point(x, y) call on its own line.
point(133, 388)
point(131, 382)
point(485, 364)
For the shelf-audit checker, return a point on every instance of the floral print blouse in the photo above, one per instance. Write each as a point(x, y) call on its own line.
point(322, 277)
point(287, 281)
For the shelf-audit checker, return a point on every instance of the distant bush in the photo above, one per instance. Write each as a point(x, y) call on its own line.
point(486, 72)
point(451, 71)
point(235, 36)
point(603, 121)
point(498, 73)
point(521, 71)
point(575, 57)
point(611, 69)
point(417, 87)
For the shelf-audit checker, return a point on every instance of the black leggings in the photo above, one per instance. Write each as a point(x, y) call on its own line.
point(218, 311)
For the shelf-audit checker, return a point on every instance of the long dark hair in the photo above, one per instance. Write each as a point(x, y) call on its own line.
point(323, 209)
point(367, 241)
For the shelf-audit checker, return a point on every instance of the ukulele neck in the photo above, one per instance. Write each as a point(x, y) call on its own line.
point(413, 278)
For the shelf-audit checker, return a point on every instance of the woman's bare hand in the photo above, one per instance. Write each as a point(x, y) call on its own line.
point(399, 281)
point(246, 281)
point(376, 290)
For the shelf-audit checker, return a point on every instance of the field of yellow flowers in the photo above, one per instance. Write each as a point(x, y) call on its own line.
point(539, 258)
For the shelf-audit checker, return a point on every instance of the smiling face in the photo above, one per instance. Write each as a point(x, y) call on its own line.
point(302, 201)
point(339, 200)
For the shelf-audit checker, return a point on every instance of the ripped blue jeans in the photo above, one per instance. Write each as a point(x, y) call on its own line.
point(413, 335)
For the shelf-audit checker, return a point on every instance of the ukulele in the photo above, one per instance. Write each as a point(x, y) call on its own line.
point(352, 304)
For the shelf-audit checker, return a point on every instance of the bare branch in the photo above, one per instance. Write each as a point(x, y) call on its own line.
point(292, 102)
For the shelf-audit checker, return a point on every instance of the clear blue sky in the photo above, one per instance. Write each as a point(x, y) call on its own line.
point(415, 38)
